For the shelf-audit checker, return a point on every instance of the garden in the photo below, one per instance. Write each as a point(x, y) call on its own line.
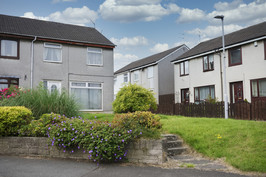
point(240, 143)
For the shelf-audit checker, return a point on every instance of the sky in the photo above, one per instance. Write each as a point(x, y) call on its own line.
point(140, 28)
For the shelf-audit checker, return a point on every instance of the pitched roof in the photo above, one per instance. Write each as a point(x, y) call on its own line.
point(51, 30)
point(148, 60)
point(246, 34)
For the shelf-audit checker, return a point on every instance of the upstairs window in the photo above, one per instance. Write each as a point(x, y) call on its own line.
point(150, 72)
point(9, 48)
point(95, 56)
point(235, 56)
point(52, 52)
point(184, 68)
point(208, 63)
point(125, 78)
point(136, 76)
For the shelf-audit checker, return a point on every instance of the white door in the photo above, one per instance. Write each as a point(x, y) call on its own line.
point(54, 85)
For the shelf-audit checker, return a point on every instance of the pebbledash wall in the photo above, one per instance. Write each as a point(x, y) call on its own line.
point(139, 151)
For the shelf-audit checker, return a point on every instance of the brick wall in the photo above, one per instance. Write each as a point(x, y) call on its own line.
point(140, 151)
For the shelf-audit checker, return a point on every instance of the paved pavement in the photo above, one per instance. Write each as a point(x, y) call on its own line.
point(11, 166)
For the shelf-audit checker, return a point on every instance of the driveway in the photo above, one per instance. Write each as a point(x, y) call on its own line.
point(11, 166)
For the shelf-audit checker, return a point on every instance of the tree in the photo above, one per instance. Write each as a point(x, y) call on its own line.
point(133, 97)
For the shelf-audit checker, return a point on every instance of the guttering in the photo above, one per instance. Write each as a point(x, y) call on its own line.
point(215, 50)
point(68, 41)
point(31, 62)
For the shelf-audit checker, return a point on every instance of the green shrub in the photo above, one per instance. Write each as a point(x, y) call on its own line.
point(12, 119)
point(40, 101)
point(133, 98)
point(149, 123)
point(39, 128)
point(102, 140)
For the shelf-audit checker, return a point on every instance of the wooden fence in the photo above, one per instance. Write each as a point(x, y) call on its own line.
point(242, 110)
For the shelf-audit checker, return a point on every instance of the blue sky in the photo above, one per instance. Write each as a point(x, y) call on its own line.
point(141, 28)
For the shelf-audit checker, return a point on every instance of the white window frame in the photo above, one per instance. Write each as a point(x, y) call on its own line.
point(136, 76)
point(52, 46)
point(93, 50)
point(184, 68)
point(125, 76)
point(87, 87)
point(150, 72)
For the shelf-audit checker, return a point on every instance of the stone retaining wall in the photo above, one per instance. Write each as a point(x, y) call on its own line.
point(140, 151)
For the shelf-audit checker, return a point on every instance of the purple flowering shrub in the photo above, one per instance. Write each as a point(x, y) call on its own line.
point(103, 141)
point(38, 128)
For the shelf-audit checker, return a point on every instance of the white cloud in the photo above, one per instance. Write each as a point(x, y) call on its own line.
point(140, 10)
point(190, 15)
point(77, 16)
point(238, 12)
point(134, 41)
point(121, 60)
point(214, 31)
point(223, 6)
point(159, 48)
point(57, 1)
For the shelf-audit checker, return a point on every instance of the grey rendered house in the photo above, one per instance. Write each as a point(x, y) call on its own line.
point(75, 58)
point(154, 72)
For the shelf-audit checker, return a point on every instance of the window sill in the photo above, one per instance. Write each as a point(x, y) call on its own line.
point(208, 70)
point(234, 64)
point(8, 57)
point(101, 65)
point(184, 75)
point(48, 61)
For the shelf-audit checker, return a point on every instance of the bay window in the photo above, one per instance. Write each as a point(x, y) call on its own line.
point(88, 94)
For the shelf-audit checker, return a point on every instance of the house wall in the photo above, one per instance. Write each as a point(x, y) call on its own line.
point(72, 68)
point(119, 83)
point(252, 67)
point(166, 70)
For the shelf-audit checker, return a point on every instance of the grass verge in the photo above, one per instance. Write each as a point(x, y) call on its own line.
point(242, 143)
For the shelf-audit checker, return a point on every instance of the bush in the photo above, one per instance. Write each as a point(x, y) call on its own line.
point(102, 140)
point(39, 128)
point(12, 119)
point(40, 101)
point(133, 98)
point(9, 92)
point(149, 123)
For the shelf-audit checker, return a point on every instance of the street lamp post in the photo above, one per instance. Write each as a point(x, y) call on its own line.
point(224, 71)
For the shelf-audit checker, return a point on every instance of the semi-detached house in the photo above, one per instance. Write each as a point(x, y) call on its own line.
point(154, 72)
point(199, 72)
point(75, 58)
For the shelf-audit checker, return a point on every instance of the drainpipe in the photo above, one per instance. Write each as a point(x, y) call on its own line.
point(31, 62)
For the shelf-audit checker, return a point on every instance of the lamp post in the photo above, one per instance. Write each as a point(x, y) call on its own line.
point(224, 71)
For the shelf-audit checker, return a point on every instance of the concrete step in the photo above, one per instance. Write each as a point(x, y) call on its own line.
point(170, 137)
point(173, 144)
point(176, 151)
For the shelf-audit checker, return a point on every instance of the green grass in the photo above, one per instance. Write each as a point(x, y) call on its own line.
point(242, 143)
point(98, 116)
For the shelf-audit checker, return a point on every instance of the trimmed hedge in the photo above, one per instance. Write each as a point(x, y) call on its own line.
point(13, 118)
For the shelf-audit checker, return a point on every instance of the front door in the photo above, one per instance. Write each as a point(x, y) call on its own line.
point(236, 92)
point(184, 95)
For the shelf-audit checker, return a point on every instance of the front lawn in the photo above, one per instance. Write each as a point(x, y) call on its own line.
point(242, 143)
